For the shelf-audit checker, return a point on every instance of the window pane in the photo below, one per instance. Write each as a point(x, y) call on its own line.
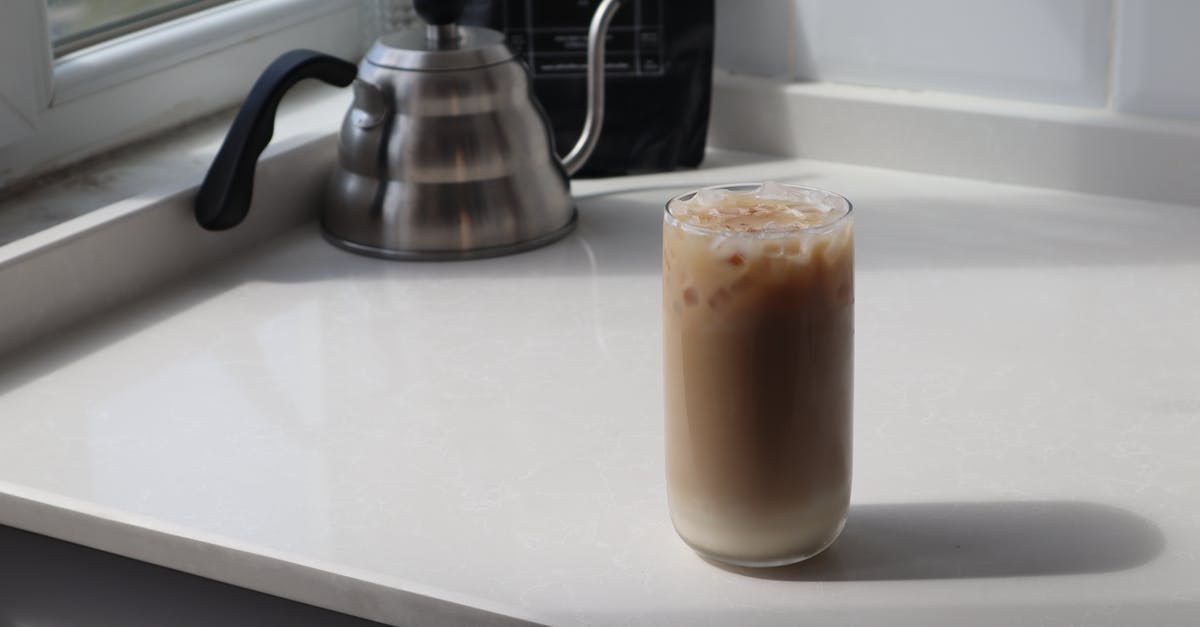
point(76, 24)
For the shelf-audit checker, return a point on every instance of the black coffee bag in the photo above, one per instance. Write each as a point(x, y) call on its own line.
point(658, 75)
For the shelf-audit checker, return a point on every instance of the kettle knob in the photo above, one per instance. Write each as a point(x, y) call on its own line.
point(439, 12)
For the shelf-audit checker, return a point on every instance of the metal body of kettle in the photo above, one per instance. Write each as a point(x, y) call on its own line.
point(444, 153)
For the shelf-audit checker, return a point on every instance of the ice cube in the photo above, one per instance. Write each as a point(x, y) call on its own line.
point(775, 191)
point(827, 202)
point(708, 197)
point(824, 202)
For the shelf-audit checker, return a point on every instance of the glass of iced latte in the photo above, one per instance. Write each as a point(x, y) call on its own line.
point(758, 336)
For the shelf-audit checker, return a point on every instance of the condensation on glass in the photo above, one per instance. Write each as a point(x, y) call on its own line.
point(78, 24)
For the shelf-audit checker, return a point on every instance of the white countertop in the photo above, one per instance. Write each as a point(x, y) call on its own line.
point(378, 437)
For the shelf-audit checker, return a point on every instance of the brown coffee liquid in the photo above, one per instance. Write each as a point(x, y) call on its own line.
point(758, 310)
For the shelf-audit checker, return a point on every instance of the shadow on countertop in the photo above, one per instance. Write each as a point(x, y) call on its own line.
point(958, 540)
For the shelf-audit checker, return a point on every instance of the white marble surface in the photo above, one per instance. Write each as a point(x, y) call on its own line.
point(368, 436)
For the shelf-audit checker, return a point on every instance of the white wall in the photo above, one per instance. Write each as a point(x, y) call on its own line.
point(1135, 56)
point(1158, 57)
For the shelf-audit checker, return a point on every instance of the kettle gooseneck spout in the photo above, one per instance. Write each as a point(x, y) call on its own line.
point(594, 122)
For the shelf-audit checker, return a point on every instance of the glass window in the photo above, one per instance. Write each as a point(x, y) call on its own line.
point(76, 24)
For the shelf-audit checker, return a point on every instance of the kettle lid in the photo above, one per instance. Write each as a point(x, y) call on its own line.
point(442, 44)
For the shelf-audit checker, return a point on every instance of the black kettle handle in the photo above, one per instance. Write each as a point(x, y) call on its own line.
point(224, 196)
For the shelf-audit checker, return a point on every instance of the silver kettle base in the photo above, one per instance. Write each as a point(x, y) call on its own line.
point(452, 254)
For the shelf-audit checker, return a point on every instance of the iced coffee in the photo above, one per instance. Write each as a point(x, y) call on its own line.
point(758, 330)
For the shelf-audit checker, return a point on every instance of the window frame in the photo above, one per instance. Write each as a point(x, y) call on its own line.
point(56, 112)
point(118, 26)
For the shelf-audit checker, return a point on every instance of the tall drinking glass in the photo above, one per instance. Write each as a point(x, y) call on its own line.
point(758, 333)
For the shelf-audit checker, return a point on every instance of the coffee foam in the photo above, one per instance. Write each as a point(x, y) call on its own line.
point(765, 210)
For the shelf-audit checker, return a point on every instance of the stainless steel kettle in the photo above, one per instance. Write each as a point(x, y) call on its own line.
point(444, 153)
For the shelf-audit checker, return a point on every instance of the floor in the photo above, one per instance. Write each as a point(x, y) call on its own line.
point(44, 581)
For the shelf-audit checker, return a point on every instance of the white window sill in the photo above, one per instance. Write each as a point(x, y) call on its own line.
point(167, 162)
point(150, 81)
point(1049, 146)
